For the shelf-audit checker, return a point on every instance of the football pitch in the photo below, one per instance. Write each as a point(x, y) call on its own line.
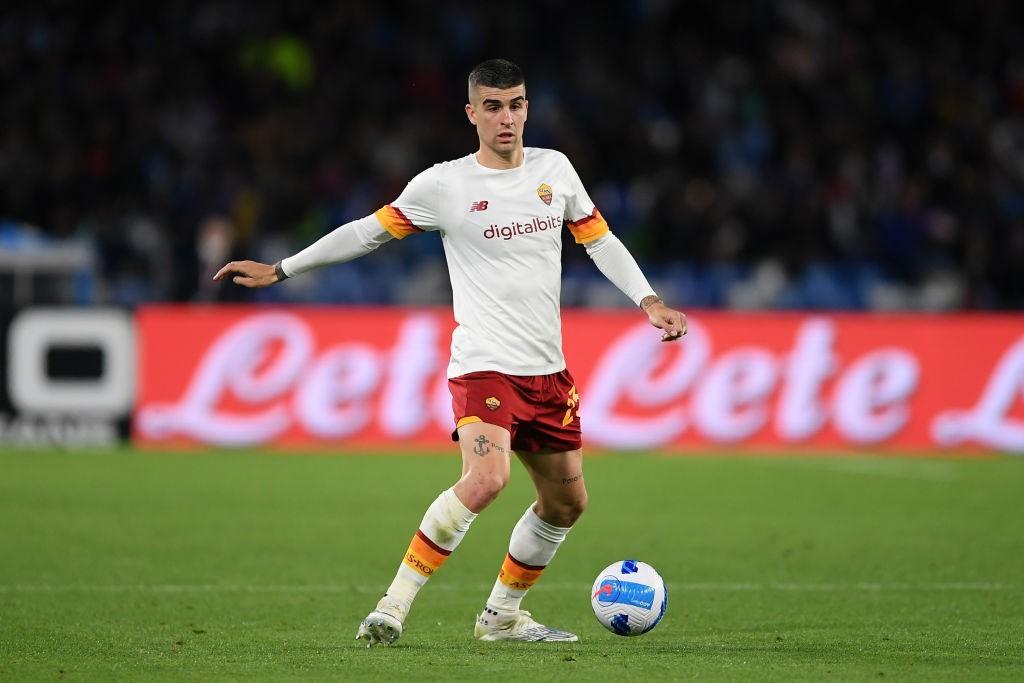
point(244, 565)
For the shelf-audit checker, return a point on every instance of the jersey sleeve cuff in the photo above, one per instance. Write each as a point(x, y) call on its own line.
point(394, 221)
point(589, 228)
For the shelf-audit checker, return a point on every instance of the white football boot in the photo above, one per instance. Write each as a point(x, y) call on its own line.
point(492, 625)
point(383, 625)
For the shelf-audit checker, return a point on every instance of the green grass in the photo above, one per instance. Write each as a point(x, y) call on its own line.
point(247, 566)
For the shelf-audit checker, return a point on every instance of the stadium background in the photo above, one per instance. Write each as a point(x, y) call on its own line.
point(833, 192)
point(762, 156)
point(754, 155)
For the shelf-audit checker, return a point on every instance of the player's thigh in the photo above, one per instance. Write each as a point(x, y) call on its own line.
point(485, 451)
point(558, 478)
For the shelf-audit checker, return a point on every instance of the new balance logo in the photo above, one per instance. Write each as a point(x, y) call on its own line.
point(478, 206)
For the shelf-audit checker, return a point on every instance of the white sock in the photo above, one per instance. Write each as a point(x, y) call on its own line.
point(533, 544)
point(444, 525)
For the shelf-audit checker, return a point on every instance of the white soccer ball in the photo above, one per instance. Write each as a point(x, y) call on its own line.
point(629, 598)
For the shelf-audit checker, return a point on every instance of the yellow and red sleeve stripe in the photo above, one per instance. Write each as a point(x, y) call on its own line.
point(517, 575)
point(589, 228)
point(395, 222)
point(425, 556)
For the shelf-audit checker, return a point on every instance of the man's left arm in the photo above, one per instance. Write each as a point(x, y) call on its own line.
point(618, 265)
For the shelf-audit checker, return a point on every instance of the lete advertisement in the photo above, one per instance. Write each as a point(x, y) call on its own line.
point(366, 378)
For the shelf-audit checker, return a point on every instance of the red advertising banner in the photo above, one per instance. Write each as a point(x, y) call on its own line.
point(375, 378)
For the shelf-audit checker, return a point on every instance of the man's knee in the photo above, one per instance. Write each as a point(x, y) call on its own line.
point(563, 513)
point(481, 488)
point(575, 508)
point(485, 464)
point(491, 484)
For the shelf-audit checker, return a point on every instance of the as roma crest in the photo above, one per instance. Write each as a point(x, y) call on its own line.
point(492, 403)
point(544, 192)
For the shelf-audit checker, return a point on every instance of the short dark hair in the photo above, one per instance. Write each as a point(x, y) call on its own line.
point(496, 73)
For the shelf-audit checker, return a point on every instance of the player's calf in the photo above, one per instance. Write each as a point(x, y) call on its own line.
point(442, 528)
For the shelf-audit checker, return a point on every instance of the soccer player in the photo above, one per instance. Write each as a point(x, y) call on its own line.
point(500, 212)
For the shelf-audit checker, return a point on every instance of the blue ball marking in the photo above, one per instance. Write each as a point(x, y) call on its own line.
point(664, 606)
point(620, 624)
point(629, 567)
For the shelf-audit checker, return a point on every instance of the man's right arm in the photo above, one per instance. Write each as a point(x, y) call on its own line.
point(345, 243)
point(414, 211)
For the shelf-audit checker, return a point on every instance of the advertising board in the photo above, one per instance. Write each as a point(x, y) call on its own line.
point(375, 378)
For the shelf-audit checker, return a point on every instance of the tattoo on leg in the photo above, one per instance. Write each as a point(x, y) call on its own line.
point(484, 445)
point(571, 480)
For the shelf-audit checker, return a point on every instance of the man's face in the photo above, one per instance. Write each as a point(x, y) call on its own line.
point(499, 116)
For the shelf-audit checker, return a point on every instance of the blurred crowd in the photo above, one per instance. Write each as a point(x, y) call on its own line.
point(784, 154)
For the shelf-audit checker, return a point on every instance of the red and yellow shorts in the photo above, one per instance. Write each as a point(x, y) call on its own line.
point(540, 412)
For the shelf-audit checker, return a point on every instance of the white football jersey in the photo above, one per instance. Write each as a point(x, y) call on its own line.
point(502, 236)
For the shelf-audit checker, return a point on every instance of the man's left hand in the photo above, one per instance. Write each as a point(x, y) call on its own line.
point(671, 322)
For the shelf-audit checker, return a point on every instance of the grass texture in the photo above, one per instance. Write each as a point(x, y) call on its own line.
point(253, 566)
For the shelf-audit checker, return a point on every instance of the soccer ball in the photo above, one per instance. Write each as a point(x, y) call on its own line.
point(629, 598)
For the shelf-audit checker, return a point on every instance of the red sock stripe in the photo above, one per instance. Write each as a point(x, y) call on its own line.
point(518, 575)
point(433, 546)
point(527, 567)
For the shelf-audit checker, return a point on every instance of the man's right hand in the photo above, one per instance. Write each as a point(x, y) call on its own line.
point(249, 273)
